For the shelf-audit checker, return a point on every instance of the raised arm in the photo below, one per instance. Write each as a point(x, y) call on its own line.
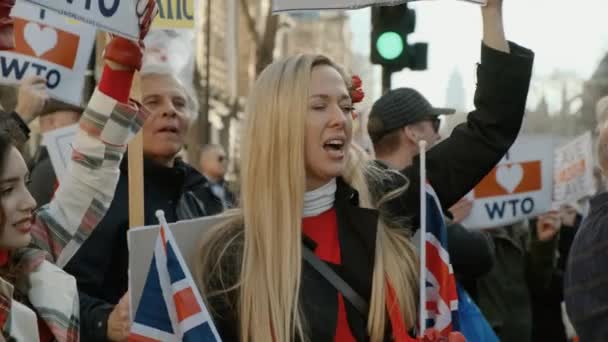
point(107, 125)
point(458, 163)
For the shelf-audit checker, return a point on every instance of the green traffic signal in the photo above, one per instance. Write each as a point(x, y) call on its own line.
point(390, 45)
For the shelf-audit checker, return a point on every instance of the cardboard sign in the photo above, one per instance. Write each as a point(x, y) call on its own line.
point(175, 14)
point(141, 249)
point(519, 187)
point(116, 16)
point(573, 176)
point(58, 143)
point(306, 5)
point(51, 46)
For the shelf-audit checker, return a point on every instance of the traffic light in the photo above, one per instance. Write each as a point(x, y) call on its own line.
point(391, 26)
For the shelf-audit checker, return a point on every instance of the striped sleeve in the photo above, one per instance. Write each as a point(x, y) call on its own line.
point(86, 191)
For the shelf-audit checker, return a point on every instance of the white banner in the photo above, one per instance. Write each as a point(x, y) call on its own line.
point(58, 143)
point(305, 5)
point(519, 187)
point(116, 16)
point(141, 249)
point(51, 46)
point(573, 176)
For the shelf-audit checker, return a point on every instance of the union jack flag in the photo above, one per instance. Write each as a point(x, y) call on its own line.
point(171, 308)
point(441, 294)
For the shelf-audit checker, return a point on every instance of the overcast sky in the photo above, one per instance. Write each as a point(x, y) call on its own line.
point(565, 34)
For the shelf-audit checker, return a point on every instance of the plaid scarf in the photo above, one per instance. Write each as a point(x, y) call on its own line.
point(48, 294)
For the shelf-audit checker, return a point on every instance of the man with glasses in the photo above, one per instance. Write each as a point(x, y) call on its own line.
point(213, 166)
point(397, 122)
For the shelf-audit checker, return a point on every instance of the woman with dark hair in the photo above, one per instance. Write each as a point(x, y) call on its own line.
point(38, 300)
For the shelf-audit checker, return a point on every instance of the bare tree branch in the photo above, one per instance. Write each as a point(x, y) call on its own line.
point(265, 50)
point(250, 22)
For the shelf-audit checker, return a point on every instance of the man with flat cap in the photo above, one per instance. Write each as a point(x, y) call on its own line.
point(397, 122)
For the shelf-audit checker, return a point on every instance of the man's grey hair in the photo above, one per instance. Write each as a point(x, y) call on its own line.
point(162, 70)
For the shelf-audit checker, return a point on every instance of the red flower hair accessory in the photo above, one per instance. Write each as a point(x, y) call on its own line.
point(356, 91)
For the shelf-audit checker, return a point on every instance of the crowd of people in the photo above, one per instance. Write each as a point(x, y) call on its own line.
point(308, 193)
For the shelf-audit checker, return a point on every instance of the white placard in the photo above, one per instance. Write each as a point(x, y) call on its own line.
point(51, 46)
point(519, 187)
point(141, 249)
point(573, 175)
point(116, 16)
point(307, 5)
point(59, 145)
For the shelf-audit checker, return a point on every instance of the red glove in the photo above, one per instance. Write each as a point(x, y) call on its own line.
point(130, 53)
point(432, 335)
point(7, 38)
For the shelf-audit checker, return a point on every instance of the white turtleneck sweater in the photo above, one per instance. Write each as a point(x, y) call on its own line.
point(320, 200)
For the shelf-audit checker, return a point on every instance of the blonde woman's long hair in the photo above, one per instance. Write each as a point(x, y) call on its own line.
point(272, 193)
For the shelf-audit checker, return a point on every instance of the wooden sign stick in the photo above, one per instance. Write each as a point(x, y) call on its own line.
point(135, 150)
point(136, 168)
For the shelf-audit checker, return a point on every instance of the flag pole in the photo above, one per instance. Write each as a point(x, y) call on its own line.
point(422, 306)
point(160, 215)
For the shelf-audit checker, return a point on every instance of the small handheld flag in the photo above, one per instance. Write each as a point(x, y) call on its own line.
point(171, 308)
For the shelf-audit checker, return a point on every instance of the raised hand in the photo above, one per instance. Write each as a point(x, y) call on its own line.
point(493, 28)
point(31, 98)
point(548, 225)
point(128, 53)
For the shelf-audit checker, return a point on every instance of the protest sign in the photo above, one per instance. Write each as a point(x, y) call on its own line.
point(175, 14)
point(573, 175)
point(141, 243)
point(519, 187)
point(58, 143)
point(305, 5)
point(51, 46)
point(116, 16)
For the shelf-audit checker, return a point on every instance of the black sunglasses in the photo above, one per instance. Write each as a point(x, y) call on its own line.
point(435, 122)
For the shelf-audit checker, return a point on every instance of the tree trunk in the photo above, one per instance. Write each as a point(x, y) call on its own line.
point(265, 50)
point(264, 43)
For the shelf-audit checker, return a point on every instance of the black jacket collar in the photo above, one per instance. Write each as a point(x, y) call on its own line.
point(357, 228)
point(180, 177)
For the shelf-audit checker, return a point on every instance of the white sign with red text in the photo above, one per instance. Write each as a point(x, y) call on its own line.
point(51, 46)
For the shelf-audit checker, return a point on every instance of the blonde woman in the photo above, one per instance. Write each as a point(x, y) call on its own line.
point(305, 188)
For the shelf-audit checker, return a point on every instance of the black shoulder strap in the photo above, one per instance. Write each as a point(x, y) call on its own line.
point(351, 295)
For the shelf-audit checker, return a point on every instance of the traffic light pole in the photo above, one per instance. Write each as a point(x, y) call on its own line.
point(386, 79)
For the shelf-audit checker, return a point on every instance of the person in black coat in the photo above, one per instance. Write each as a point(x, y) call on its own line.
point(585, 285)
point(100, 266)
point(397, 121)
point(305, 193)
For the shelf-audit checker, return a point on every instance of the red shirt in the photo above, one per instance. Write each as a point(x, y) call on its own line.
point(323, 230)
